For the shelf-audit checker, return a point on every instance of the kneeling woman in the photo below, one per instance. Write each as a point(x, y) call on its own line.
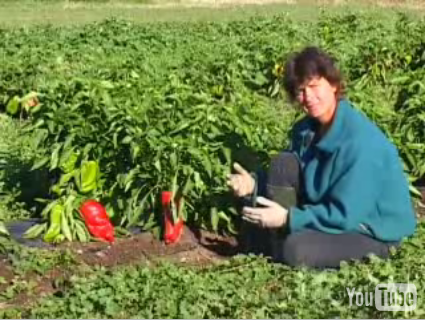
point(339, 193)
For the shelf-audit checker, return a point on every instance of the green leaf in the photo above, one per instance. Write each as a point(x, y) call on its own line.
point(135, 151)
point(77, 178)
point(35, 231)
point(157, 165)
point(40, 163)
point(13, 105)
point(54, 160)
point(128, 180)
point(181, 127)
point(106, 84)
point(81, 231)
point(207, 166)
point(214, 218)
point(415, 191)
point(3, 230)
point(65, 225)
point(260, 79)
point(127, 140)
point(173, 160)
point(222, 215)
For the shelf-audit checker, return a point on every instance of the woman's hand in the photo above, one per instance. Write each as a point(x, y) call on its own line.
point(241, 183)
point(271, 215)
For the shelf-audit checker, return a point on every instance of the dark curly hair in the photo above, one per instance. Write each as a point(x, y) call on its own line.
point(308, 63)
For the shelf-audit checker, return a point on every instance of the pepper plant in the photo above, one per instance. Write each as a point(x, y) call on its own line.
point(166, 108)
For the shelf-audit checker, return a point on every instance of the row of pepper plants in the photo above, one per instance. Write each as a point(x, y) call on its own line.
point(130, 111)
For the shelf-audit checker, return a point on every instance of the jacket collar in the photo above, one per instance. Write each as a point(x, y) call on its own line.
point(333, 137)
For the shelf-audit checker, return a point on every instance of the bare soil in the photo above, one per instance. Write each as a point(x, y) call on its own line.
point(6, 274)
point(198, 249)
point(193, 248)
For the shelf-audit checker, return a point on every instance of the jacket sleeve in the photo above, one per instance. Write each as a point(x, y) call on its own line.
point(351, 197)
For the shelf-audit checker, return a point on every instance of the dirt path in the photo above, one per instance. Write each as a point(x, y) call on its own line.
point(407, 4)
point(183, 3)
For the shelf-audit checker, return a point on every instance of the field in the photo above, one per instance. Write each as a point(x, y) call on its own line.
point(66, 12)
point(120, 109)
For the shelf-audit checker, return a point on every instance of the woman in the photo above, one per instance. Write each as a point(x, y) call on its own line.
point(351, 197)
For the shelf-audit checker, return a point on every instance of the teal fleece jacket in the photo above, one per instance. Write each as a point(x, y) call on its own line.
point(353, 179)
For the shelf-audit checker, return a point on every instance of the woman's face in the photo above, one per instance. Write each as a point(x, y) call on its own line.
point(318, 99)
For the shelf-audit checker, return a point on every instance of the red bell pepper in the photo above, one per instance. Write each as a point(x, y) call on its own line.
point(173, 231)
point(97, 220)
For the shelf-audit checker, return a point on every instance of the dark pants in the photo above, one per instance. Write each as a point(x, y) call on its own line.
point(310, 248)
point(313, 248)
